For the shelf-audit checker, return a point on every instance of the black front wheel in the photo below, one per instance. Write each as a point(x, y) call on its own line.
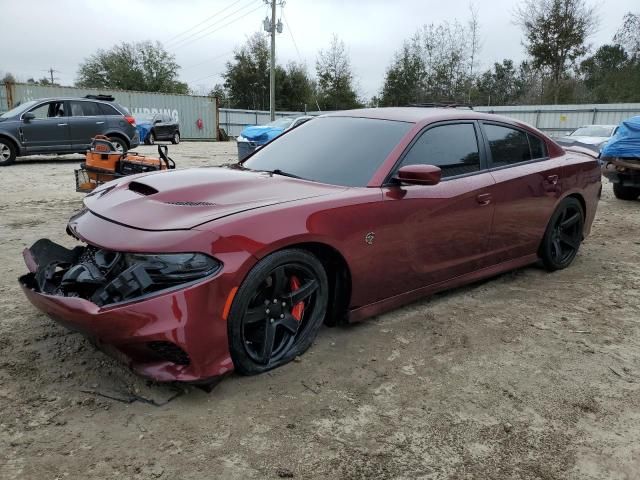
point(563, 236)
point(277, 311)
point(625, 193)
point(7, 153)
point(176, 138)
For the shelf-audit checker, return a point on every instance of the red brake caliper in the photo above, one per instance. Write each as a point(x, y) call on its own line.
point(298, 309)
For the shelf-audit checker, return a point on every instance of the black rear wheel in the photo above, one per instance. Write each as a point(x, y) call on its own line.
point(176, 138)
point(563, 236)
point(120, 144)
point(7, 153)
point(625, 193)
point(278, 310)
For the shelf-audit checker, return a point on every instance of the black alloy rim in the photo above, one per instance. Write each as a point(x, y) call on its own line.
point(565, 238)
point(269, 324)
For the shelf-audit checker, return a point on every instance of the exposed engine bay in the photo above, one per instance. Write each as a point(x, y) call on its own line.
point(105, 277)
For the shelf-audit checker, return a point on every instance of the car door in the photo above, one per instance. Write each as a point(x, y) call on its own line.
point(86, 121)
point(48, 131)
point(528, 186)
point(437, 232)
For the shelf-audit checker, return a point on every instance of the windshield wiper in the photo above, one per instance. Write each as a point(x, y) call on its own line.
point(277, 171)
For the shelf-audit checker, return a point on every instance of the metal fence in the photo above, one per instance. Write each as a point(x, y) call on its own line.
point(557, 120)
point(197, 115)
point(233, 120)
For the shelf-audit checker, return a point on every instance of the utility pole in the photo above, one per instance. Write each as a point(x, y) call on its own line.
point(271, 26)
point(272, 72)
point(51, 70)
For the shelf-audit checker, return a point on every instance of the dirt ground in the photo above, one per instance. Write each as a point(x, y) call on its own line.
point(528, 375)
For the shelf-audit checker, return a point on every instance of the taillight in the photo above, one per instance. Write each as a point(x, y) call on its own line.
point(130, 119)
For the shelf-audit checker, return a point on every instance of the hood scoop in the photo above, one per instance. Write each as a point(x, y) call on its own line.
point(142, 189)
point(192, 204)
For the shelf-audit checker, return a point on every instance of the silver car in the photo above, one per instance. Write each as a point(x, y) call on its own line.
point(589, 136)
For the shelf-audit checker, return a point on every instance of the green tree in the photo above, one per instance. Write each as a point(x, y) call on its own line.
point(611, 75)
point(246, 78)
point(336, 90)
point(221, 94)
point(294, 88)
point(404, 81)
point(555, 35)
point(143, 66)
point(500, 85)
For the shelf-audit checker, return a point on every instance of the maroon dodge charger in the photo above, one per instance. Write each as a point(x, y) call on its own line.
point(189, 274)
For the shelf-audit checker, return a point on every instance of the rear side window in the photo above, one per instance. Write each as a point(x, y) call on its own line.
point(537, 147)
point(84, 109)
point(108, 109)
point(453, 148)
point(508, 145)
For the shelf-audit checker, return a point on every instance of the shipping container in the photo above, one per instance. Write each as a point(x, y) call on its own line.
point(197, 115)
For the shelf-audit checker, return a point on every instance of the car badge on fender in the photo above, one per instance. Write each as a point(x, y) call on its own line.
point(369, 238)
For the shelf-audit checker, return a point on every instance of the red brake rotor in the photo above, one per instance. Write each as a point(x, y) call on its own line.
point(298, 309)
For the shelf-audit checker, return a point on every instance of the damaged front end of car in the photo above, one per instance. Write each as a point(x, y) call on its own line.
point(105, 277)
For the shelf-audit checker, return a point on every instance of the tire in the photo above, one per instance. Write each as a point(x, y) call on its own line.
point(176, 138)
point(151, 138)
point(625, 193)
point(120, 144)
point(7, 152)
point(255, 316)
point(563, 236)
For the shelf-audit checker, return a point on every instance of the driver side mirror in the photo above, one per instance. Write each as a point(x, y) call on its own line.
point(419, 175)
point(155, 122)
point(27, 117)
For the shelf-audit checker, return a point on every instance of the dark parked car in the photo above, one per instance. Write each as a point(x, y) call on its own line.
point(189, 274)
point(64, 125)
point(157, 126)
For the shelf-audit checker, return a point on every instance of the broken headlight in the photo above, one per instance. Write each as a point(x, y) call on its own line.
point(174, 267)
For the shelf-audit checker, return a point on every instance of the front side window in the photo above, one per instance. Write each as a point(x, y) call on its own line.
point(508, 145)
point(336, 150)
point(453, 148)
point(48, 110)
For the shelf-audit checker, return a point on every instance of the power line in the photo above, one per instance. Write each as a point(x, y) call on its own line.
point(291, 34)
point(207, 60)
point(202, 22)
point(190, 38)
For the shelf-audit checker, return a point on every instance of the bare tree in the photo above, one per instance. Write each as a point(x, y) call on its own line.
point(555, 34)
point(628, 35)
point(474, 43)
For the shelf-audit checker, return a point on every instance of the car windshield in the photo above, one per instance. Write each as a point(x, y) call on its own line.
point(336, 150)
point(18, 110)
point(593, 131)
point(281, 122)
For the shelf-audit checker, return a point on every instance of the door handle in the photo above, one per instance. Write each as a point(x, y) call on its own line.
point(484, 198)
point(99, 123)
point(552, 179)
point(62, 124)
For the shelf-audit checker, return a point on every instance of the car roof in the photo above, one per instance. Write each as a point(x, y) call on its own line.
point(419, 114)
point(58, 99)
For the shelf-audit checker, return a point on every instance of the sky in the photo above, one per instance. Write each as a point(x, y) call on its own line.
point(202, 34)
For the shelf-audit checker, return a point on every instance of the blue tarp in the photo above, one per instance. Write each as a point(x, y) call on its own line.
point(143, 130)
point(626, 142)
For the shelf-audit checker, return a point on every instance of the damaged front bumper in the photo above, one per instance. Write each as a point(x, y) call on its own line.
point(155, 312)
point(625, 171)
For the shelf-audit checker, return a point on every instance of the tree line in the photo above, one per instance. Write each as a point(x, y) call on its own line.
point(438, 63)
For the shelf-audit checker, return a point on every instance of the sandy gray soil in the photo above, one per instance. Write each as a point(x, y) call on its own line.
point(529, 375)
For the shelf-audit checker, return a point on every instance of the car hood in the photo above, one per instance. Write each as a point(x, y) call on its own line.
point(183, 199)
point(586, 140)
point(261, 132)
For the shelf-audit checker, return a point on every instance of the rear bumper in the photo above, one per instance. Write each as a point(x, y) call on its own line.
point(245, 149)
point(626, 173)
